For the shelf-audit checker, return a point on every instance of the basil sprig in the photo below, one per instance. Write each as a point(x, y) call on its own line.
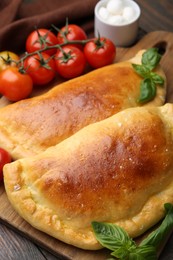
point(150, 60)
point(117, 240)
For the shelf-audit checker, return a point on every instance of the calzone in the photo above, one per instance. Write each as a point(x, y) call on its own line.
point(119, 170)
point(30, 126)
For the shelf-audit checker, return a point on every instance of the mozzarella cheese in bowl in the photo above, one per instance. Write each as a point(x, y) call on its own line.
point(117, 12)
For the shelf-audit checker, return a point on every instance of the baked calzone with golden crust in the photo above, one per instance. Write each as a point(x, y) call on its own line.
point(30, 126)
point(119, 170)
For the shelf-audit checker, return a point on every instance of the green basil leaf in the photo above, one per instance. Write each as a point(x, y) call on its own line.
point(141, 70)
point(136, 253)
point(112, 236)
point(157, 79)
point(116, 239)
point(143, 253)
point(157, 237)
point(151, 58)
point(147, 90)
point(121, 253)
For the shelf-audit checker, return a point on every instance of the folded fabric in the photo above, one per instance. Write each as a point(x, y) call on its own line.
point(18, 18)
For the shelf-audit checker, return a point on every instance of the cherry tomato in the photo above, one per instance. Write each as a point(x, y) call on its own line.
point(15, 85)
point(100, 52)
point(4, 158)
point(7, 59)
point(71, 32)
point(41, 68)
point(40, 38)
point(70, 62)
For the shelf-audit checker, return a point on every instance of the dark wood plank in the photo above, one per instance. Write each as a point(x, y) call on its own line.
point(156, 15)
point(15, 247)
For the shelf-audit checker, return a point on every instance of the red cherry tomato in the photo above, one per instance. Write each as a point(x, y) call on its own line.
point(70, 62)
point(4, 158)
point(15, 85)
point(100, 52)
point(41, 68)
point(39, 39)
point(71, 32)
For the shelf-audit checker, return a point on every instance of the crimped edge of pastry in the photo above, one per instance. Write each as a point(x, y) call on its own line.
point(46, 220)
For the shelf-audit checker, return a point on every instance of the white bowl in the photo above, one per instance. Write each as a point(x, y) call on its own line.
point(122, 35)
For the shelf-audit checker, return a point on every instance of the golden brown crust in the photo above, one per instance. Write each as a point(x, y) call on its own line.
point(30, 126)
point(118, 170)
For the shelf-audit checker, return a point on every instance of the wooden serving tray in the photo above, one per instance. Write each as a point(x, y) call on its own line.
point(160, 39)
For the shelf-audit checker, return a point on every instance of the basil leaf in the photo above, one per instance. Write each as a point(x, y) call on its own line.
point(143, 252)
point(147, 90)
point(137, 253)
point(151, 58)
point(112, 236)
point(157, 79)
point(157, 237)
point(121, 253)
point(141, 70)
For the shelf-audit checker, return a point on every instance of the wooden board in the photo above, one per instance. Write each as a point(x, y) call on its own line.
point(160, 39)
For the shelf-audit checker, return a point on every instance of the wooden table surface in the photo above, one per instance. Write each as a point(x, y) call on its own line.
point(156, 15)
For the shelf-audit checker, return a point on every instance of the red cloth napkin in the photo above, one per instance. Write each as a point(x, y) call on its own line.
point(18, 18)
